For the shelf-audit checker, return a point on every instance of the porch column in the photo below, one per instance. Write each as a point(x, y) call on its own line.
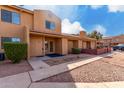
point(84, 45)
point(80, 44)
point(27, 40)
point(64, 46)
point(43, 45)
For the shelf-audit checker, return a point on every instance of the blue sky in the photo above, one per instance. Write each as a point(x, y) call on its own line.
point(108, 20)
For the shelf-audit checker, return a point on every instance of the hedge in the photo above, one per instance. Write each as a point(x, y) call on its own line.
point(15, 51)
point(76, 50)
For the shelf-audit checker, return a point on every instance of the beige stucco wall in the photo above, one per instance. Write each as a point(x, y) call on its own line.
point(26, 39)
point(70, 46)
point(73, 44)
point(36, 45)
point(14, 30)
point(93, 44)
point(84, 45)
point(80, 45)
point(58, 45)
point(40, 16)
point(64, 46)
point(0, 46)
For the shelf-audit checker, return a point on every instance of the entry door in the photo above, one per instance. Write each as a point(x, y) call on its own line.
point(49, 47)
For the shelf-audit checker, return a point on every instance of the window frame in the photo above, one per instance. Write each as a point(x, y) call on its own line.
point(19, 16)
point(9, 41)
point(2, 14)
point(11, 16)
point(50, 24)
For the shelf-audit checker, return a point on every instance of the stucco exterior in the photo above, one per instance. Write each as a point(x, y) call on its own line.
point(40, 40)
point(112, 41)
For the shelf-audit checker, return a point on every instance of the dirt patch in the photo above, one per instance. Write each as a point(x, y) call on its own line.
point(69, 58)
point(107, 69)
point(7, 68)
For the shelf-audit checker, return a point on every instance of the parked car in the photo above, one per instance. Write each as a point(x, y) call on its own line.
point(119, 47)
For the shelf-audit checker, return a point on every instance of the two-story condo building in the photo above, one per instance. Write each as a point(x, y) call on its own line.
point(41, 30)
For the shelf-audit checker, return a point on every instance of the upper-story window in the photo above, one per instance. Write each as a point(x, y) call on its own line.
point(11, 17)
point(50, 25)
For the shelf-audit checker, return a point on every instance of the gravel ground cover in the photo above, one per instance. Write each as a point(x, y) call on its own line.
point(102, 70)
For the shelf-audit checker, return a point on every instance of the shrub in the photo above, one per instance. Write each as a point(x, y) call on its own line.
point(76, 50)
point(15, 51)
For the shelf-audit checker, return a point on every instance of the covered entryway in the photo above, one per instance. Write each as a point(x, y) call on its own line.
point(72, 44)
point(50, 45)
point(41, 45)
point(36, 45)
point(88, 45)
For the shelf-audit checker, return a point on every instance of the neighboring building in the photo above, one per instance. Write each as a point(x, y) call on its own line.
point(112, 41)
point(41, 30)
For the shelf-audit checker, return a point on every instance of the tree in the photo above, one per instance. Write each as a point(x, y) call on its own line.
point(95, 34)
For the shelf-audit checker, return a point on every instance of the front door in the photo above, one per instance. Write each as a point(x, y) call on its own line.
point(49, 47)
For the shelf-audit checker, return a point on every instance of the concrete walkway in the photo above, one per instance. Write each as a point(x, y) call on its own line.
point(16, 81)
point(40, 74)
point(78, 85)
point(27, 79)
point(37, 63)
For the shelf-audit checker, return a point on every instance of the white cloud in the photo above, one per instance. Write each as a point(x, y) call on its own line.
point(100, 29)
point(59, 10)
point(116, 8)
point(67, 26)
point(71, 28)
point(111, 8)
point(96, 6)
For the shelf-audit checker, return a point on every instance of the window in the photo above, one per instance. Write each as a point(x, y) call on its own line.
point(15, 18)
point(9, 39)
point(50, 25)
point(47, 24)
point(11, 17)
point(6, 16)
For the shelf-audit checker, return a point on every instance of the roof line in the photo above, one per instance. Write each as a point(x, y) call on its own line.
point(21, 8)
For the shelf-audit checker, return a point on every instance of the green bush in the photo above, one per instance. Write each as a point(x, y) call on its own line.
point(76, 50)
point(15, 51)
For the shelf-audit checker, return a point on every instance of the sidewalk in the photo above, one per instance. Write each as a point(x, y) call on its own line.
point(37, 63)
point(78, 85)
point(28, 78)
point(16, 81)
point(40, 74)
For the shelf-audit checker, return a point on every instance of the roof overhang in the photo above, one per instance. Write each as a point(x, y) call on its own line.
point(20, 8)
point(45, 34)
point(59, 35)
